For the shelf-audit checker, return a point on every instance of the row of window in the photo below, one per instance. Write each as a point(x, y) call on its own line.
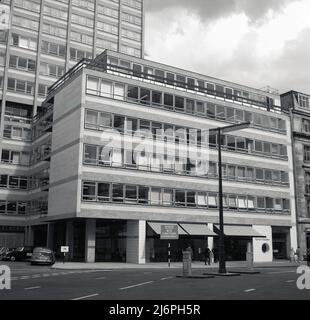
point(55, 12)
point(172, 102)
point(22, 207)
point(13, 182)
point(53, 48)
point(176, 134)
point(51, 70)
point(22, 63)
point(54, 30)
point(21, 86)
point(28, 5)
point(304, 101)
point(17, 133)
point(132, 194)
point(105, 156)
point(22, 41)
point(25, 23)
point(15, 157)
point(181, 82)
point(80, 37)
point(306, 153)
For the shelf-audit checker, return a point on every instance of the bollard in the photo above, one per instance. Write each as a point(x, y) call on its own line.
point(187, 263)
point(249, 256)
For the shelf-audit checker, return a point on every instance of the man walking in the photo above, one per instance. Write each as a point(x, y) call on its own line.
point(207, 256)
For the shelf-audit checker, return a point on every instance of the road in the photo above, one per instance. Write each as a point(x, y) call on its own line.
point(38, 282)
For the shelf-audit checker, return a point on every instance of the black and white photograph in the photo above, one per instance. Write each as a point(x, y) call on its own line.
point(154, 154)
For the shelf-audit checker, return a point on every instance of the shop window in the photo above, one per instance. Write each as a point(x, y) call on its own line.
point(103, 192)
point(117, 193)
point(89, 191)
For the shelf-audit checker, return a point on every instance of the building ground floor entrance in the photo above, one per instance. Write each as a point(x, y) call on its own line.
point(137, 241)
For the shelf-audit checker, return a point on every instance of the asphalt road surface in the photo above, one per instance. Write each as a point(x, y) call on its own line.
point(43, 283)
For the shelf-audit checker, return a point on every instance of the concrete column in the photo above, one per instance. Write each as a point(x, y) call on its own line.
point(50, 236)
point(29, 236)
point(69, 238)
point(136, 241)
point(90, 240)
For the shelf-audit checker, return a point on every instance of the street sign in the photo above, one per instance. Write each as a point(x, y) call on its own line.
point(64, 249)
point(169, 232)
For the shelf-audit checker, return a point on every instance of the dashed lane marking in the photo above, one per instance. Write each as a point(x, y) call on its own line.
point(101, 278)
point(249, 290)
point(136, 285)
point(166, 278)
point(32, 288)
point(289, 281)
point(86, 297)
point(279, 272)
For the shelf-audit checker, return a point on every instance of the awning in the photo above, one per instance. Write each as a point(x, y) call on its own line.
point(240, 231)
point(198, 229)
point(156, 226)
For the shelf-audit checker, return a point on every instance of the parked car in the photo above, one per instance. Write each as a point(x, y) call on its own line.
point(42, 256)
point(19, 254)
point(3, 252)
point(5, 255)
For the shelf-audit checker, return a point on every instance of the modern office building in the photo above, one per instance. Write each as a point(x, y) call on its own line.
point(118, 136)
point(39, 41)
point(298, 106)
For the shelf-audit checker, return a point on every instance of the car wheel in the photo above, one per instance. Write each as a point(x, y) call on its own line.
point(12, 259)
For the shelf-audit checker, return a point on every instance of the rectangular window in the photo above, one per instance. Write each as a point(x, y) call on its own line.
point(168, 101)
point(131, 194)
point(117, 193)
point(157, 98)
point(91, 119)
point(90, 154)
point(103, 192)
point(180, 198)
point(168, 197)
point(202, 199)
point(179, 103)
point(156, 196)
point(143, 195)
point(89, 191)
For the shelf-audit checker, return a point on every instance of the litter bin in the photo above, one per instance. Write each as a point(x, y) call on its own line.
point(187, 263)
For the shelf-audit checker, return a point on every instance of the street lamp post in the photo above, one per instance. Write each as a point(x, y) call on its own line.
point(219, 132)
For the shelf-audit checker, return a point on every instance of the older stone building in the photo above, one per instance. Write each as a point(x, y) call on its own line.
point(298, 106)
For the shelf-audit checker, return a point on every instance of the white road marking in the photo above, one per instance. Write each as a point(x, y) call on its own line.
point(101, 278)
point(36, 276)
point(46, 275)
point(166, 278)
point(24, 277)
point(85, 297)
point(32, 288)
point(136, 285)
point(278, 272)
point(289, 281)
point(249, 290)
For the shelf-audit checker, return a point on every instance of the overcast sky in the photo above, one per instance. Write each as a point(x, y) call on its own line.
point(251, 42)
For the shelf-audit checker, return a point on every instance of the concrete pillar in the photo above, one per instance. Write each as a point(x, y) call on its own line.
point(69, 239)
point(50, 236)
point(136, 241)
point(90, 240)
point(29, 236)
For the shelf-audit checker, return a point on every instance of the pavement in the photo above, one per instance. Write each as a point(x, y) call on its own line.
point(161, 265)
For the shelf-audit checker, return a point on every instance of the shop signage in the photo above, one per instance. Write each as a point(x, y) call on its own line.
point(64, 249)
point(169, 232)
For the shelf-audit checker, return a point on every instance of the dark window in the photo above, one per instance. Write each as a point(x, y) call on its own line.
point(211, 110)
point(180, 198)
point(103, 192)
point(119, 123)
point(157, 97)
point(181, 81)
point(143, 195)
point(191, 199)
point(131, 194)
point(133, 93)
point(179, 103)
point(117, 193)
point(168, 100)
point(89, 191)
point(191, 83)
point(190, 106)
point(145, 96)
point(219, 91)
point(220, 112)
point(137, 69)
point(170, 78)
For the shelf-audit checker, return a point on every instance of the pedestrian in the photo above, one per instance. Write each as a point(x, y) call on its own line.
point(214, 251)
point(297, 255)
point(189, 248)
point(207, 256)
point(292, 256)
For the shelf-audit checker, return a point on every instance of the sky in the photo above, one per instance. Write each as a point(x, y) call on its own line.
point(257, 43)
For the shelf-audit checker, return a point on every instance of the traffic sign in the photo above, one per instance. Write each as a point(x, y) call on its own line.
point(169, 232)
